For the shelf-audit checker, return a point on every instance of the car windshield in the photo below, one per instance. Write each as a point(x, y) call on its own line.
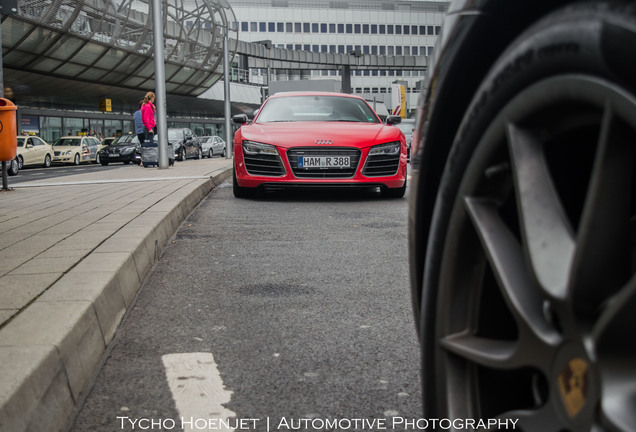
point(68, 142)
point(125, 140)
point(316, 108)
point(175, 134)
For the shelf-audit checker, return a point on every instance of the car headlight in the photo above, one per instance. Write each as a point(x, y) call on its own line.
point(253, 148)
point(67, 153)
point(392, 148)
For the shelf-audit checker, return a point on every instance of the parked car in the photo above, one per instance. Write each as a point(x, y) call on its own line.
point(76, 149)
point(124, 149)
point(108, 141)
point(186, 144)
point(522, 216)
point(318, 139)
point(33, 150)
point(212, 145)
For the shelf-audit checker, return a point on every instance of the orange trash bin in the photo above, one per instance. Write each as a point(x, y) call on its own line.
point(8, 130)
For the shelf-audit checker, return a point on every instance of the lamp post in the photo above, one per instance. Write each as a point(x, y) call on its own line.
point(160, 83)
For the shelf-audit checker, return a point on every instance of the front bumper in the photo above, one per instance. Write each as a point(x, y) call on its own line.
point(282, 171)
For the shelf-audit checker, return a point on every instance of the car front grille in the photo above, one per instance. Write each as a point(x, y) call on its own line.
point(381, 165)
point(57, 153)
point(330, 173)
point(264, 165)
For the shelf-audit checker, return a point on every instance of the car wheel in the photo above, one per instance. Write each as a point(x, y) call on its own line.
point(183, 155)
point(20, 162)
point(98, 159)
point(393, 192)
point(76, 159)
point(239, 191)
point(199, 153)
point(104, 163)
point(47, 161)
point(13, 167)
point(210, 153)
point(529, 292)
point(223, 153)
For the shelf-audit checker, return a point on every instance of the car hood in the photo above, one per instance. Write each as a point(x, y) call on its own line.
point(303, 134)
point(119, 148)
point(65, 148)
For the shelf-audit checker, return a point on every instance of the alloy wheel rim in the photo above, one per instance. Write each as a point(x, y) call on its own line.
point(537, 289)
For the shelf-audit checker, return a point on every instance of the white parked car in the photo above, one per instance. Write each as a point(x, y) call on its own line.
point(76, 149)
point(33, 150)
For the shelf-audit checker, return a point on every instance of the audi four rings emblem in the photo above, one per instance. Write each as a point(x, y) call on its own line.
point(323, 141)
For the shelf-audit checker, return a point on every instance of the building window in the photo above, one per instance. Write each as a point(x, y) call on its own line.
point(389, 29)
point(382, 50)
point(414, 30)
point(298, 28)
point(398, 50)
point(423, 30)
point(407, 30)
point(245, 26)
point(323, 48)
point(280, 27)
point(437, 29)
point(430, 50)
point(306, 47)
point(349, 28)
point(332, 28)
point(306, 28)
point(323, 28)
point(365, 28)
point(332, 49)
point(374, 50)
point(289, 27)
point(341, 49)
point(357, 28)
point(382, 29)
point(290, 46)
point(349, 49)
point(341, 28)
point(298, 47)
point(430, 31)
point(390, 50)
point(253, 27)
point(262, 27)
point(314, 28)
point(398, 29)
point(365, 49)
point(271, 27)
point(374, 29)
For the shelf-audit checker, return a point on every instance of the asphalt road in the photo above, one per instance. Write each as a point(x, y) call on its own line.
point(297, 305)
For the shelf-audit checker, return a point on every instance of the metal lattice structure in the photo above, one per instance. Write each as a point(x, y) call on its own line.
point(110, 42)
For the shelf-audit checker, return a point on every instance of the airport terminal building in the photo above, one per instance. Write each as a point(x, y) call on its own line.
point(73, 68)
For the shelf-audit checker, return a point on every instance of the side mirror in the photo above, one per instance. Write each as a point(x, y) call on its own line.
point(240, 119)
point(393, 120)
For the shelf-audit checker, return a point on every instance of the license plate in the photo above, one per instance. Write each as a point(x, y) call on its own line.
point(308, 162)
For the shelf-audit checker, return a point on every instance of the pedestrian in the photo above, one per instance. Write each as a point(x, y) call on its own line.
point(139, 124)
point(148, 116)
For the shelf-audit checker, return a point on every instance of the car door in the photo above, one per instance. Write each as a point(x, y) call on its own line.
point(219, 144)
point(29, 152)
point(190, 143)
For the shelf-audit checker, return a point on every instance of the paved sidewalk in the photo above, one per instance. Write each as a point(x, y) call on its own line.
point(73, 254)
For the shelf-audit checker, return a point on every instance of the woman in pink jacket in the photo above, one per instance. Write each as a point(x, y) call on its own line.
point(148, 116)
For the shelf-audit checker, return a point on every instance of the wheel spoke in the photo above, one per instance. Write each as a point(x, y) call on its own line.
point(495, 354)
point(546, 230)
point(603, 242)
point(507, 261)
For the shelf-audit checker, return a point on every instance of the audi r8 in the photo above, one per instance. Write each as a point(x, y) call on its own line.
point(318, 139)
point(522, 216)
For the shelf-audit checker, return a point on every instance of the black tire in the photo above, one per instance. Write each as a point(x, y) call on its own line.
point(199, 153)
point(76, 159)
point(183, 154)
point(528, 289)
point(393, 192)
point(224, 153)
point(239, 191)
point(104, 163)
point(47, 161)
point(98, 159)
point(13, 167)
point(20, 162)
point(210, 153)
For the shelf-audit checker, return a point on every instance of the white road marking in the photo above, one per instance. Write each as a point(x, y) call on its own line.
point(198, 391)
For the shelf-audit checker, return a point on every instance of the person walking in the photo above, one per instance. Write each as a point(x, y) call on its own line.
point(139, 124)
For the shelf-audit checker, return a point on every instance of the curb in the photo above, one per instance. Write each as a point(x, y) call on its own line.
point(51, 351)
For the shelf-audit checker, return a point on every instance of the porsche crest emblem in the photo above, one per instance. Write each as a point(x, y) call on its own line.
point(573, 385)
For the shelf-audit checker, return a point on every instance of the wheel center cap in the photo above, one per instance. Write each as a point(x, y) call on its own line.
point(574, 384)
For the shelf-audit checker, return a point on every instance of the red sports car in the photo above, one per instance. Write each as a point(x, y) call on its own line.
point(318, 139)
